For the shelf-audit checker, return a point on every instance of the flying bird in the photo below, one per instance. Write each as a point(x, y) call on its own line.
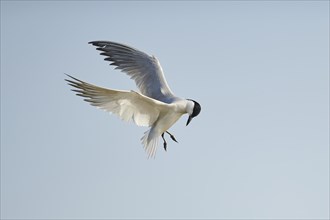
point(154, 105)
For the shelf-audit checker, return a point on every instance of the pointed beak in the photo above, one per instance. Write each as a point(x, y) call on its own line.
point(189, 119)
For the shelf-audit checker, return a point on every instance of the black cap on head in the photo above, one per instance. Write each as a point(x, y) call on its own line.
point(196, 111)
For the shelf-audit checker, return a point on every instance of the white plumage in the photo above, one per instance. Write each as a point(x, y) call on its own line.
point(154, 106)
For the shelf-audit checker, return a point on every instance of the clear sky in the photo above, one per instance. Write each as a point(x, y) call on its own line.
point(259, 148)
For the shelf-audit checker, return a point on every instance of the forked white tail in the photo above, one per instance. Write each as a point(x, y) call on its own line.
point(150, 142)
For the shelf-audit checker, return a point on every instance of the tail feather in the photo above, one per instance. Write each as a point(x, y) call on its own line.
point(150, 143)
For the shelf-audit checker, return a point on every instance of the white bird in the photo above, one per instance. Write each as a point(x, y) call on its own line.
point(154, 105)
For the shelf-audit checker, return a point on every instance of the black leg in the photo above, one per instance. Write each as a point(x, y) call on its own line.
point(172, 136)
point(165, 143)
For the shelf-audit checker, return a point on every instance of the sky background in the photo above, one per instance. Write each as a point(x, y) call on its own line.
point(259, 148)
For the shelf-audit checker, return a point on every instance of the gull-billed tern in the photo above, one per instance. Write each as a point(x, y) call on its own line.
point(154, 105)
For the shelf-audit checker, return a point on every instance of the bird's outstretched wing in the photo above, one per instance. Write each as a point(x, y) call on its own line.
point(145, 70)
point(128, 105)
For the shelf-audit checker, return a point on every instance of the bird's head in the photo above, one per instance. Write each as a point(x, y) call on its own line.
point(193, 109)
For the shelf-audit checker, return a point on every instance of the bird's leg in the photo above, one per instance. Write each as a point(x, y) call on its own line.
point(165, 143)
point(172, 136)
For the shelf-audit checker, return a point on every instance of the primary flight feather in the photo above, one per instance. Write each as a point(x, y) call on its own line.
point(154, 105)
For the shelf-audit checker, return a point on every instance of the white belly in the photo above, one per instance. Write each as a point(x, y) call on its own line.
point(167, 121)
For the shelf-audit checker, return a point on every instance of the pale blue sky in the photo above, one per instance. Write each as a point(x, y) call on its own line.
point(259, 148)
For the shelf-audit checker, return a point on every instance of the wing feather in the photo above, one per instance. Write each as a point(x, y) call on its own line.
point(128, 105)
point(145, 70)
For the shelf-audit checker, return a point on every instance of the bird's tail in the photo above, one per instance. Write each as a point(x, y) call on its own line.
point(150, 142)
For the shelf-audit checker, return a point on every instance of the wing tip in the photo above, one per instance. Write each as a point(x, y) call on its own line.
point(92, 42)
point(100, 43)
point(76, 81)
